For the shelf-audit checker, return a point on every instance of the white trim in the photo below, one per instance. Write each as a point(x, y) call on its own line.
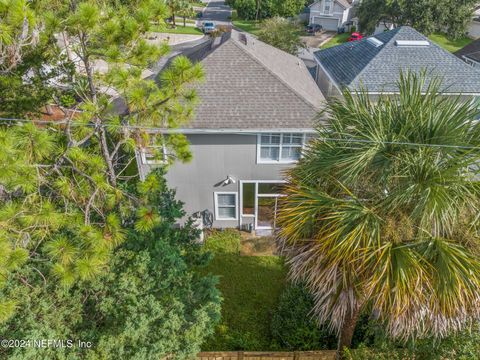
point(353, 92)
point(145, 161)
point(280, 146)
point(215, 201)
point(330, 9)
point(470, 61)
point(326, 17)
point(231, 131)
point(241, 182)
point(256, 195)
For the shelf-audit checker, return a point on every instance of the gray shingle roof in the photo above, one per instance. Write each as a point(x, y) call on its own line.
point(347, 4)
point(377, 69)
point(255, 86)
point(471, 51)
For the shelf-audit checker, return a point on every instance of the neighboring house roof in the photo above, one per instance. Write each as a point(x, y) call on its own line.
point(254, 86)
point(346, 4)
point(377, 68)
point(470, 51)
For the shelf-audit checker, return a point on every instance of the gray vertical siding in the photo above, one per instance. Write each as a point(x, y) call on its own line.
point(215, 156)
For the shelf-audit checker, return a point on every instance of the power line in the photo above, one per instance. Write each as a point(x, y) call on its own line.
point(158, 129)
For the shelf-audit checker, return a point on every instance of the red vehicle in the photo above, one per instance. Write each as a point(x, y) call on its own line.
point(355, 36)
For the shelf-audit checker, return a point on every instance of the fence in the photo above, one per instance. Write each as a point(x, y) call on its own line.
point(250, 355)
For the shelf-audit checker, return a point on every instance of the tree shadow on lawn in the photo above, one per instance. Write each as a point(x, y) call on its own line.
point(250, 286)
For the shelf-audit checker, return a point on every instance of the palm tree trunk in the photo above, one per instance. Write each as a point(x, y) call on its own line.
point(346, 333)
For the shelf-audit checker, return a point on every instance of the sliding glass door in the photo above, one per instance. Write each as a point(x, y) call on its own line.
point(260, 200)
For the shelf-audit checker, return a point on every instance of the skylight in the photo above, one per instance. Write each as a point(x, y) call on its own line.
point(414, 43)
point(375, 42)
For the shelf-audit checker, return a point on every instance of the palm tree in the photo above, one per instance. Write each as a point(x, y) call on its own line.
point(382, 213)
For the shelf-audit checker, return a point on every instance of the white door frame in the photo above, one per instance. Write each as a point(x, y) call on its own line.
point(256, 196)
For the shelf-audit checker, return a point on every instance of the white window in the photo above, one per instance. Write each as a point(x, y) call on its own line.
point(280, 148)
point(153, 153)
point(327, 7)
point(226, 205)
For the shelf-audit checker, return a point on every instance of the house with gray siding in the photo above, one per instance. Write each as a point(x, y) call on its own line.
point(258, 107)
point(374, 65)
point(331, 14)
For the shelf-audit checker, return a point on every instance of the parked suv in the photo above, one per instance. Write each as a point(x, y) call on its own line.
point(208, 27)
point(313, 28)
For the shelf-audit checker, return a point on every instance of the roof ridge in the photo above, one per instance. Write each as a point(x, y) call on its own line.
point(257, 60)
point(381, 50)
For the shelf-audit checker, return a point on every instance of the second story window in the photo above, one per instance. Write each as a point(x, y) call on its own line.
point(153, 153)
point(328, 7)
point(280, 147)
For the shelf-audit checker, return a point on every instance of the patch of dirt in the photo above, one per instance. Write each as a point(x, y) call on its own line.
point(257, 245)
point(315, 41)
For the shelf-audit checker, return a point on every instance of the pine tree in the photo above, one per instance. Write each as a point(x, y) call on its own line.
point(65, 198)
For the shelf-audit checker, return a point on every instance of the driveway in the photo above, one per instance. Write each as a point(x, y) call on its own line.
point(217, 11)
point(314, 41)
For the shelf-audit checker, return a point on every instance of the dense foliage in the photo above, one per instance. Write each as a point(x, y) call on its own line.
point(464, 345)
point(263, 9)
point(381, 214)
point(87, 252)
point(293, 325)
point(64, 196)
point(449, 16)
point(151, 302)
point(281, 33)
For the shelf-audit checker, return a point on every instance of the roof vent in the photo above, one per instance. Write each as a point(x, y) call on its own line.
point(375, 42)
point(415, 43)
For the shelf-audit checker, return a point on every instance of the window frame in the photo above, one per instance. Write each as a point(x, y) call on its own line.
point(152, 145)
point(146, 161)
point(216, 207)
point(330, 5)
point(256, 197)
point(280, 145)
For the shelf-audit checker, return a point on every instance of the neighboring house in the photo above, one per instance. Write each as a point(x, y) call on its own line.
point(331, 14)
point(374, 64)
point(258, 106)
point(474, 26)
point(471, 54)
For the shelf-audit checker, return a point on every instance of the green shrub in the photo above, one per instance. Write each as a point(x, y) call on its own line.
point(353, 29)
point(464, 345)
point(281, 33)
point(223, 241)
point(293, 327)
point(384, 352)
point(234, 15)
point(246, 9)
point(67, 100)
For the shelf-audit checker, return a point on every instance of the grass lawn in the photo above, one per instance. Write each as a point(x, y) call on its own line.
point(450, 45)
point(250, 286)
point(180, 29)
point(250, 26)
point(440, 39)
point(336, 40)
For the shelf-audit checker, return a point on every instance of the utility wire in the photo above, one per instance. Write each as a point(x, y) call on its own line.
point(157, 129)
